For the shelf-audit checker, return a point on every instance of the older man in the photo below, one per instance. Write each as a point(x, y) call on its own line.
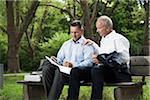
point(110, 42)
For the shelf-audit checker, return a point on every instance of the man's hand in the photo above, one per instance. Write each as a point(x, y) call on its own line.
point(68, 64)
point(95, 60)
point(88, 42)
point(54, 58)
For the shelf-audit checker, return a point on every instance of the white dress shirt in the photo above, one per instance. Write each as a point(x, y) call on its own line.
point(77, 53)
point(114, 42)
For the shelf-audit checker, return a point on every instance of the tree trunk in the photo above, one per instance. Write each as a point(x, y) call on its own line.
point(15, 34)
point(86, 18)
point(13, 58)
point(146, 30)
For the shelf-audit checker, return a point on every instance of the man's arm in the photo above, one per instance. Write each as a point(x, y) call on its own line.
point(92, 43)
point(61, 54)
point(88, 52)
point(122, 46)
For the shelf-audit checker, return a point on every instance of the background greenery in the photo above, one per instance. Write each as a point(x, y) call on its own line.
point(50, 28)
point(128, 20)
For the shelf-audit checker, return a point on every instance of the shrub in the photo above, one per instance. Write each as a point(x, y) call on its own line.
point(49, 48)
point(3, 48)
point(52, 46)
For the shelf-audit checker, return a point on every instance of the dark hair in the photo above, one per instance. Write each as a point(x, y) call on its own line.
point(76, 23)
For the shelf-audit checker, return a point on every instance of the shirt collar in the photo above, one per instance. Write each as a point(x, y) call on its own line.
point(81, 40)
point(110, 34)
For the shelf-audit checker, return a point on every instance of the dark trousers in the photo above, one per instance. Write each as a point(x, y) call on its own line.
point(100, 75)
point(53, 80)
point(77, 75)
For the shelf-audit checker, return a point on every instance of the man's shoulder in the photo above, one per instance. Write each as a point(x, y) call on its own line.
point(88, 47)
point(119, 36)
point(67, 42)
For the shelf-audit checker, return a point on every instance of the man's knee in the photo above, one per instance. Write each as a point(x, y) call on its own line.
point(74, 71)
point(97, 72)
point(48, 68)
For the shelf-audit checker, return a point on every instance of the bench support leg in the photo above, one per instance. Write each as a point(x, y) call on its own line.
point(33, 92)
point(128, 93)
point(25, 92)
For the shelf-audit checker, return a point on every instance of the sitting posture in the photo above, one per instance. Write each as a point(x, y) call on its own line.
point(108, 67)
point(74, 54)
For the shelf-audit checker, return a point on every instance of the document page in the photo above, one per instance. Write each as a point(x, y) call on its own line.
point(61, 68)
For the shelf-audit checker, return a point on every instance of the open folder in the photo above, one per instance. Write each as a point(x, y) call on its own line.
point(61, 68)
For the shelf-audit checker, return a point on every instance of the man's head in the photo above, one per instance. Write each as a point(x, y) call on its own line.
point(76, 29)
point(104, 25)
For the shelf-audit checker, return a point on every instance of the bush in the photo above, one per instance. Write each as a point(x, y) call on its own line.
point(3, 48)
point(49, 48)
point(52, 46)
point(136, 41)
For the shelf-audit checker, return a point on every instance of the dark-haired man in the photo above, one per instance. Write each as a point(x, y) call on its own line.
point(74, 54)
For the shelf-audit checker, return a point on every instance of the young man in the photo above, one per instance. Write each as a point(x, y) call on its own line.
point(74, 54)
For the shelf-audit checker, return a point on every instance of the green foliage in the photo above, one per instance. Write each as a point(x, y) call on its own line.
point(127, 21)
point(52, 46)
point(28, 60)
point(3, 48)
point(146, 94)
point(136, 41)
point(2, 16)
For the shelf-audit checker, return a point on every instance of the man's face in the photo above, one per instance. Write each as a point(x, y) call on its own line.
point(101, 28)
point(75, 32)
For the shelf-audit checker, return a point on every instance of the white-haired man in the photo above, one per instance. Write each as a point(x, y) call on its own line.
point(110, 42)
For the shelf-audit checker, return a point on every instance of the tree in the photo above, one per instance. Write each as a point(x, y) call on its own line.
point(86, 11)
point(15, 31)
point(146, 29)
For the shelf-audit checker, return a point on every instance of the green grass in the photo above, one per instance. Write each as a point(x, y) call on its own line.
point(13, 91)
point(146, 94)
point(85, 93)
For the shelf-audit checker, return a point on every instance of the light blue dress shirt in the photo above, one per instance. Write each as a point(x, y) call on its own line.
point(77, 53)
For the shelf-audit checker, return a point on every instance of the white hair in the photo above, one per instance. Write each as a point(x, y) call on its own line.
point(108, 22)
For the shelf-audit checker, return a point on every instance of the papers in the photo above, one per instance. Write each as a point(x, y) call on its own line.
point(32, 78)
point(61, 68)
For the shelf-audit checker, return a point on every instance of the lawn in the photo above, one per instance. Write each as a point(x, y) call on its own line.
point(13, 91)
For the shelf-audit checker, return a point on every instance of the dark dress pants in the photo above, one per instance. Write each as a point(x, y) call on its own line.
point(53, 80)
point(102, 74)
point(77, 75)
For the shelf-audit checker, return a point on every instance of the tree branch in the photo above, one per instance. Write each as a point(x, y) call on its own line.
point(85, 8)
point(77, 1)
point(28, 18)
point(94, 10)
point(61, 9)
point(39, 36)
point(17, 13)
point(17, 16)
point(31, 49)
